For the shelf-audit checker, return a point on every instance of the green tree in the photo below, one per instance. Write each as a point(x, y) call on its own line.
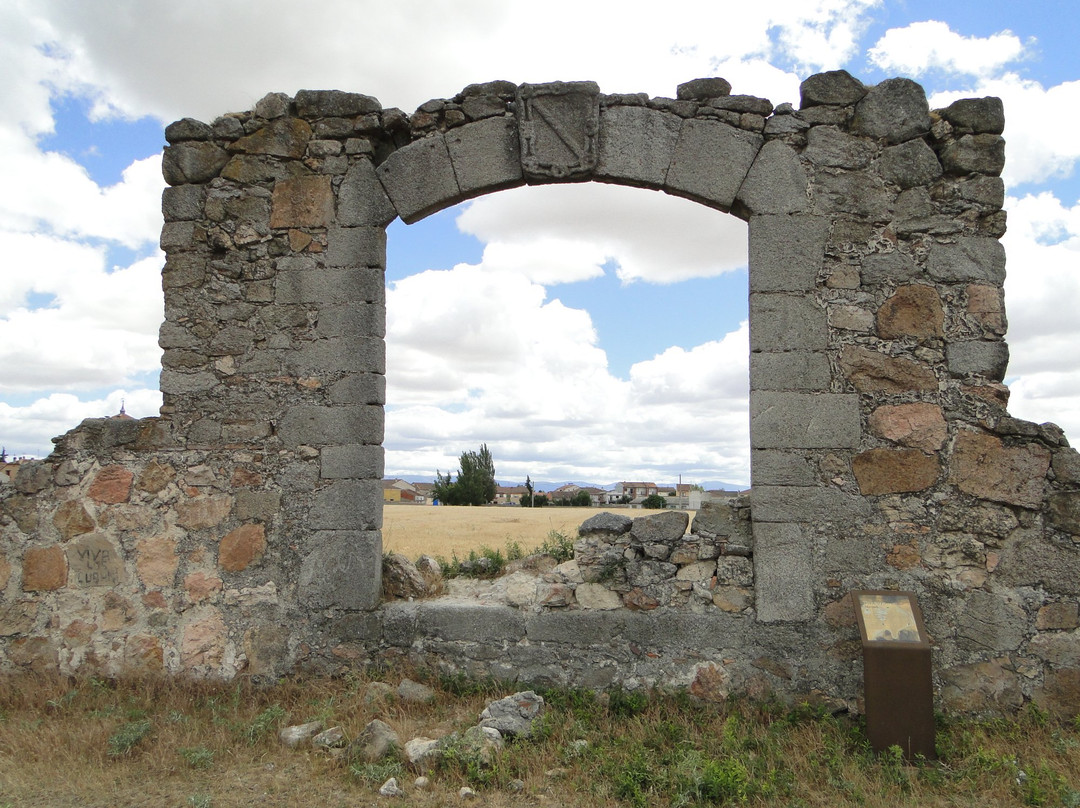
point(654, 501)
point(581, 499)
point(474, 483)
point(527, 500)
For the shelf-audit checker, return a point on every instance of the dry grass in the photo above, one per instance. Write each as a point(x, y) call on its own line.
point(214, 745)
point(414, 530)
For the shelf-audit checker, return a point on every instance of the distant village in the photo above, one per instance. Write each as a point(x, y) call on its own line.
point(621, 495)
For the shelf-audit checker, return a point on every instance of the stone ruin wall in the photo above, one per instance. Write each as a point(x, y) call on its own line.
point(239, 532)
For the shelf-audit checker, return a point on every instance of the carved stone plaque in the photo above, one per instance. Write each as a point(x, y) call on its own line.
point(559, 123)
point(93, 561)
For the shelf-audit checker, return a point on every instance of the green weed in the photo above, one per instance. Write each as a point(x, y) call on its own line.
point(263, 724)
point(198, 757)
point(127, 737)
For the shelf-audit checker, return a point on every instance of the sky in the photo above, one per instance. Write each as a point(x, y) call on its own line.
point(583, 332)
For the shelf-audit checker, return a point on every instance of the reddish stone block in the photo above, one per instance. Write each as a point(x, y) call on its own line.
point(202, 512)
point(112, 485)
point(919, 425)
point(241, 547)
point(156, 561)
point(199, 586)
point(71, 519)
point(44, 568)
point(984, 467)
point(912, 311)
point(894, 471)
point(873, 372)
point(305, 201)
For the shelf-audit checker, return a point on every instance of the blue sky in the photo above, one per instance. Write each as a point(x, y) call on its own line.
point(583, 332)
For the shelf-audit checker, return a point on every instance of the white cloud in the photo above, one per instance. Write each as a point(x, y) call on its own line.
point(1042, 294)
point(651, 236)
point(447, 46)
point(932, 45)
point(100, 329)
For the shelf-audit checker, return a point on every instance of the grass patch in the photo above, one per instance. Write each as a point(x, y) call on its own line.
point(201, 743)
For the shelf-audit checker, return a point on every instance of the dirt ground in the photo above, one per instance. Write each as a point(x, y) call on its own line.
point(414, 530)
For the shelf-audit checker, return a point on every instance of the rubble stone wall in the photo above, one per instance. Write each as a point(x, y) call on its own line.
point(239, 533)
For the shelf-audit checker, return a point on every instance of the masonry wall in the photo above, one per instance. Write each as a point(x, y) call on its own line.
point(239, 533)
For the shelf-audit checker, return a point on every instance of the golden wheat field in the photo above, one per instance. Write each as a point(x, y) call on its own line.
point(414, 530)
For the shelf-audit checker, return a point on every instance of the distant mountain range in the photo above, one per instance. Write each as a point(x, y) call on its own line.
point(541, 486)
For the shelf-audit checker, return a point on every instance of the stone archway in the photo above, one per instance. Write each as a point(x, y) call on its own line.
point(334, 167)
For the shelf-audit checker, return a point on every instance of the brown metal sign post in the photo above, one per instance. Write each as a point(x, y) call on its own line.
point(898, 689)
